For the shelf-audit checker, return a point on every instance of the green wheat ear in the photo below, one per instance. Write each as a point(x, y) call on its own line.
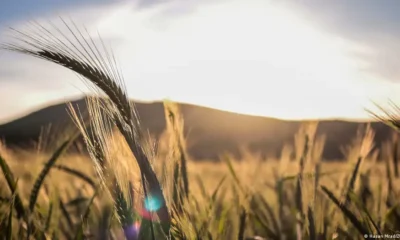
point(12, 184)
point(45, 171)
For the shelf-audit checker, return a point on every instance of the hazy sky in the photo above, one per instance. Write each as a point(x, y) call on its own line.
point(286, 59)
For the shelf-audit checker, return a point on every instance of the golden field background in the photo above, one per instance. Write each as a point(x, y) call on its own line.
point(219, 191)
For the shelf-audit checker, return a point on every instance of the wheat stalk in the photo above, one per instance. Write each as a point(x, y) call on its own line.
point(97, 65)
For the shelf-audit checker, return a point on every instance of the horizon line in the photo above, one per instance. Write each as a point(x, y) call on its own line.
point(65, 100)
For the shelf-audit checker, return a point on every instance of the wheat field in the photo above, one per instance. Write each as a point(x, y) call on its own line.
point(125, 189)
point(249, 198)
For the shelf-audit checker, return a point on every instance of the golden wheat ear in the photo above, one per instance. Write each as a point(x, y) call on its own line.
point(96, 65)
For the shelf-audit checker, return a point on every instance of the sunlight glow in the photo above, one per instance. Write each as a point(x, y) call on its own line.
point(253, 57)
point(249, 57)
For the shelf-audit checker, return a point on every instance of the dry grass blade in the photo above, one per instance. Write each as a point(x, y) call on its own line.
point(79, 233)
point(352, 182)
point(104, 224)
point(353, 219)
point(9, 224)
point(19, 207)
point(242, 224)
point(311, 224)
point(270, 233)
point(395, 158)
point(366, 212)
point(232, 172)
point(201, 186)
point(46, 169)
point(66, 214)
point(271, 215)
point(48, 220)
point(76, 173)
point(216, 190)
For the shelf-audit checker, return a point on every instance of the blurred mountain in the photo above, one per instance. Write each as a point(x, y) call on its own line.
point(209, 132)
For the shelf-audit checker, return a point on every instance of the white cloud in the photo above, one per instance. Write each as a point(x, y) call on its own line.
point(247, 56)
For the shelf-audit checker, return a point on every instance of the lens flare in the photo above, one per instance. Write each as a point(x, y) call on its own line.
point(152, 204)
point(132, 231)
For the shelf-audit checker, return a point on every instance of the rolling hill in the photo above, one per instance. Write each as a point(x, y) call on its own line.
point(209, 132)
